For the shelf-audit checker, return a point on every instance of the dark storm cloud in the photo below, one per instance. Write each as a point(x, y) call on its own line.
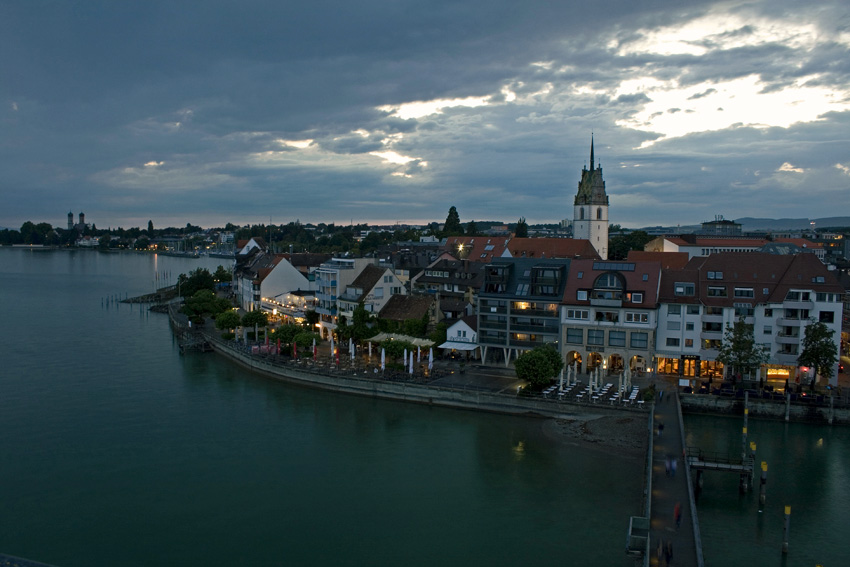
point(215, 111)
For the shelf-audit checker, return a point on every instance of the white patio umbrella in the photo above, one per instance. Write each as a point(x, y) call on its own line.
point(351, 347)
point(411, 361)
point(404, 359)
point(383, 357)
point(431, 358)
point(332, 346)
point(561, 387)
point(370, 350)
point(418, 354)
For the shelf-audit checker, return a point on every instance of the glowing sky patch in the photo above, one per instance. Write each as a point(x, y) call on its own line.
point(787, 167)
point(300, 144)
point(420, 109)
point(674, 111)
point(719, 31)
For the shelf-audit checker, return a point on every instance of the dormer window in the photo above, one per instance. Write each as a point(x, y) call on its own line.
point(608, 286)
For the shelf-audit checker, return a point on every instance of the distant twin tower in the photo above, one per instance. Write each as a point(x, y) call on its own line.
point(81, 224)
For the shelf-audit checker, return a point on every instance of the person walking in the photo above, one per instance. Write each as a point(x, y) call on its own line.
point(677, 514)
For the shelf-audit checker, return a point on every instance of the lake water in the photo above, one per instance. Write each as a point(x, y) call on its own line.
point(808, 469)
point(117, 450)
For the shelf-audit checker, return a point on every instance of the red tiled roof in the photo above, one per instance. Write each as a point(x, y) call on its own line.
point(551, 248)
point(801, 242)
point(476, 248)
point(404, 307)
point(669, 260)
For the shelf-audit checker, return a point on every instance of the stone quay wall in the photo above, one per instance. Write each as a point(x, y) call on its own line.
point(768, 409)
point(481, 400)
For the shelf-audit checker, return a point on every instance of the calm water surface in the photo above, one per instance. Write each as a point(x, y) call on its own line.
point(808, 470)
point(117, 450)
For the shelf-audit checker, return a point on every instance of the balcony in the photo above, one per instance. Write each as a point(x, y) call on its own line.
point(787, 339)
point(534, 313)
point(711, 335)
point(786, 359)
point(712, 319)
point(496, 325)
point(784, 322)
point(529, 328)
point(606, 302)
point(493, 309)
point(526, 344)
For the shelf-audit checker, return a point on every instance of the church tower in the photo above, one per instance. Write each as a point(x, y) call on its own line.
point(590, 209)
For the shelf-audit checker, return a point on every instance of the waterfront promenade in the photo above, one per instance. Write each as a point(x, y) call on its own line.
point(671, 490)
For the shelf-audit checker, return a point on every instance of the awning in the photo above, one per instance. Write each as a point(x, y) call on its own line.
point(415, 341)
point(458, 346)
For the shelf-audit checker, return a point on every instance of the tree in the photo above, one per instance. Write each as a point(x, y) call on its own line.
point(439, 335)
point(230, 319)
point(198, 279)
point(619, 245)
point(311, 319)
point(472, 228)
point(204, 302)
point(361, 324)
point(150, 228)
point(539, 366)
point(453, 226)
point(818, 349)
point(222, 274)
point(395, 349)
point(739, 350)
point(521, 228)
point(255, 319)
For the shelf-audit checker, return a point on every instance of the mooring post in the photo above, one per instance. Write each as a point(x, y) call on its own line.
point(786, 529)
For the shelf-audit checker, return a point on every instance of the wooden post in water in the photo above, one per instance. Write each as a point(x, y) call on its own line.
point(744, 475)
point(786, 529)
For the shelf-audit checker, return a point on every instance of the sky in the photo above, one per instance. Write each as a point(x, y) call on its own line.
point(384, 112)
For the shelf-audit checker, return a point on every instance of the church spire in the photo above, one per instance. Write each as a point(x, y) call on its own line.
point(591, 151)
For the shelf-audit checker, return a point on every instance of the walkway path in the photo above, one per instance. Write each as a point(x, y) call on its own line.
point(671, 490)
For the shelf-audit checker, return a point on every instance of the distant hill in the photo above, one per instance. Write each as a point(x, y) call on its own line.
point(750, 224)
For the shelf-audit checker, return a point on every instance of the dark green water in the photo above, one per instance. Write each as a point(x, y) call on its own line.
point(808, 470)
point(117, 450)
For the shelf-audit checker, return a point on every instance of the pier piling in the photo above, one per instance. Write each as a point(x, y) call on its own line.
point(786, 529)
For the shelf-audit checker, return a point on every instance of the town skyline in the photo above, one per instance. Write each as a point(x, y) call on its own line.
point(380, 115)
